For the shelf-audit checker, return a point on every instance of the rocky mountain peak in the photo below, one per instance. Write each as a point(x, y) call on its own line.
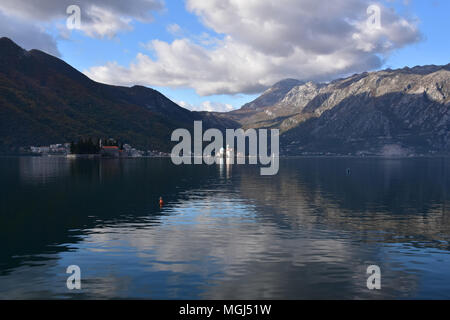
point(407, 108)
point(273, 95)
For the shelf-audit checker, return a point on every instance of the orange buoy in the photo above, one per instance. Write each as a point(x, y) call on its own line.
point(161, 201)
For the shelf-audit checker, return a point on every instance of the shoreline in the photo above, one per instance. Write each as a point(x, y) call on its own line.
point(96, 157)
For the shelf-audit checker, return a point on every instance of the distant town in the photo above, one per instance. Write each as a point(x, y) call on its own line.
point(86, 148)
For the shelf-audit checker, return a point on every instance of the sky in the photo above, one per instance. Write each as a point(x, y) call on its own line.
point(217, 55)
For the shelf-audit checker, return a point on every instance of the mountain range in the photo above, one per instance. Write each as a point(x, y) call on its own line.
point(43, 100)
point(389, 112)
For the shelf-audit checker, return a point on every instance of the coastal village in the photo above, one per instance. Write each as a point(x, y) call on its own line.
point(110, 148)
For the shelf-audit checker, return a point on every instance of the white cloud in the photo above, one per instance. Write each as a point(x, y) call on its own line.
point(104, 23)
point(207, 106)
point(174, 29)
point(265, 41)
point(102, 18)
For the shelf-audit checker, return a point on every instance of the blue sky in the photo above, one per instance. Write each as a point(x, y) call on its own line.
point(434, 25)
point(329, 43)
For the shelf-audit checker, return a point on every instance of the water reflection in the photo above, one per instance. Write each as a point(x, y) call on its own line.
point(225, 167)
point(42, 169)
point(225, 231)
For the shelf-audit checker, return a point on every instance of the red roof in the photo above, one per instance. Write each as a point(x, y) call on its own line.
point(108, 147)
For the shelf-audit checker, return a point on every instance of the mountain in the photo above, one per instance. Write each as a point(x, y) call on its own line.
point(253, 114)
point(43, 100)
point(273, 95)
point(390, 112)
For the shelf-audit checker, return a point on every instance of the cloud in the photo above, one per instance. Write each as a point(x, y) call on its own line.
point(207, 106)
point(27, 35)
point(102, 18)
point(174, 29)
point(262, 42)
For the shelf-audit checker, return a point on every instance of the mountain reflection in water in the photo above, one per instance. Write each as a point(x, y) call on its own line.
point(225, 232)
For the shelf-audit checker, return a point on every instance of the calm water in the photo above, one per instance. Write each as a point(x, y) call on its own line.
point(225, 232)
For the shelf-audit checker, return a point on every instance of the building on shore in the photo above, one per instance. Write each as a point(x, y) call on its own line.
point(110, 151)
